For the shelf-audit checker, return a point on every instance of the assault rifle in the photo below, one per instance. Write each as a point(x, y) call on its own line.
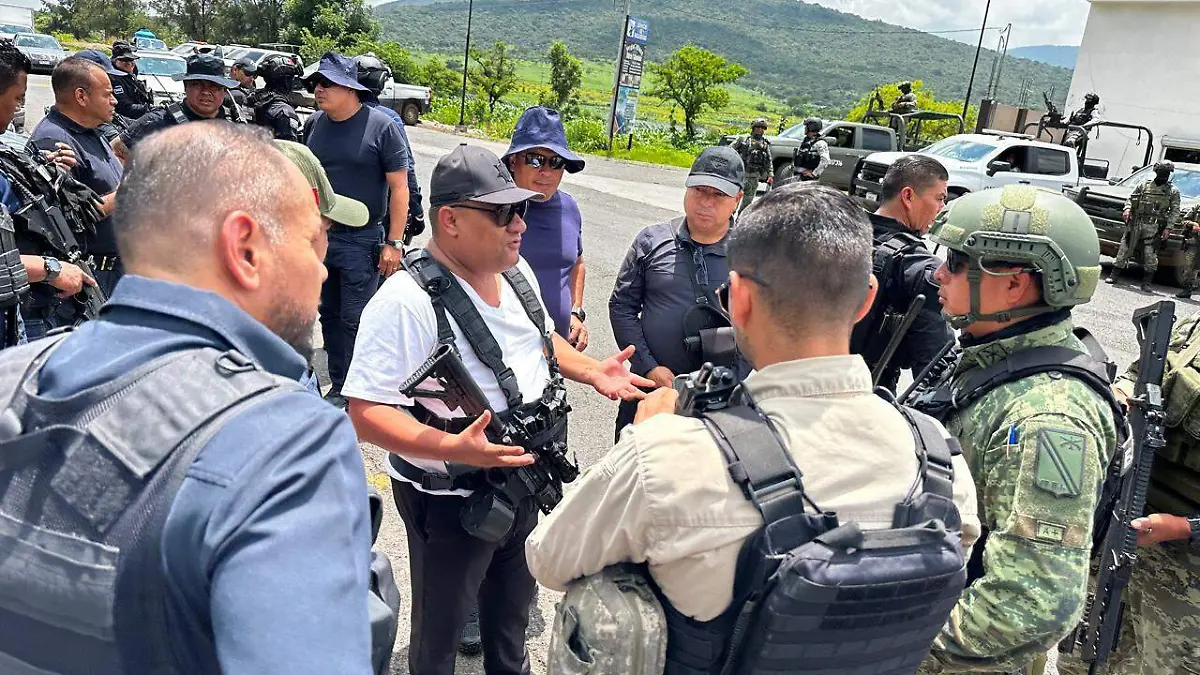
point(707, 389)
point(489, 513)
point(1097, 633)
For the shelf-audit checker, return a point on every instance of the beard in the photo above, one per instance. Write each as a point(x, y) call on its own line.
point(295, 327)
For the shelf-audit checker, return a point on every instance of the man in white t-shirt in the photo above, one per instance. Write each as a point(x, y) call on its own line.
point(474, 271)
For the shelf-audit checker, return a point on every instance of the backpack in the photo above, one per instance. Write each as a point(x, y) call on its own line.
point(811, 595)
point(85, 492)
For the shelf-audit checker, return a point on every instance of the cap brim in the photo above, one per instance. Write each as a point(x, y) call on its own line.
point(575, 163)
point(335, 78)
point(216, 79)
point(133, 57)
point(512, 195)
point(728, 187)
point(348, 212)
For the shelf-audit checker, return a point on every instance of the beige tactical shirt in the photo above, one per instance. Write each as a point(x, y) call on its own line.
point(663, 495)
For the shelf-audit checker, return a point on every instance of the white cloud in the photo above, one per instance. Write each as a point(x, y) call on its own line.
point(1035, 22)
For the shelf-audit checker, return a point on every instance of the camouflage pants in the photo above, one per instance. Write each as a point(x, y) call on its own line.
point(749, 191)
point(1160, 634)
point(1189, 264)
point(1143, 240)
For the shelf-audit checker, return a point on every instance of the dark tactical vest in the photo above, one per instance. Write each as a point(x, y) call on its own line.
point(872, 333)
point(1175, 479)
point(807, 156)
point(85, 490)
point(757, 155)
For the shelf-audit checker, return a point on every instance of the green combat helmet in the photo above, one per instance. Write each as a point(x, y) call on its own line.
point(1022, 226)
point(760, 122)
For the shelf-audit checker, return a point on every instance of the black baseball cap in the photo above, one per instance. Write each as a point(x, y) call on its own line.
point(123, 50)
point(718, 167)
point(247, 64)
point(472, 173)
point(206, 67)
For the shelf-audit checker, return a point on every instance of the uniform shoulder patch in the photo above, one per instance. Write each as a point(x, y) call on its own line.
point(1060, 458)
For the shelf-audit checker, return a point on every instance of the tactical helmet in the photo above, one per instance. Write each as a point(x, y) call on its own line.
point(278, 69)
point(1164, 165)
point(1020, 225)
point(812, 125)
point(1091, 98)
point(905, 86)
point(760, 122)
point(372, 73)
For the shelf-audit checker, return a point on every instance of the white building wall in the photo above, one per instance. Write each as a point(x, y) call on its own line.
point(1143, 58)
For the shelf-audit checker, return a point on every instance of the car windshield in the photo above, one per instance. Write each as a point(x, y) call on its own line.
point(255, 54)
point(38, 41)
point(10, 29)
point(184, 49)
point(1187, 180)
point(149, 43)
point(963, 151)
point(235, 53)
point(160, 65)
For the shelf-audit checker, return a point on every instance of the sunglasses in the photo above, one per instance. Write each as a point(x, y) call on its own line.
point(723, 289)
point(538, 161)
point(504, 213)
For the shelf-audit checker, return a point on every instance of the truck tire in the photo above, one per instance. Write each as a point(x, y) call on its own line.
point(783, 171)
point(410, 112)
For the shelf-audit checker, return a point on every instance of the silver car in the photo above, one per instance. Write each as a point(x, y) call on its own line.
point(43, 50)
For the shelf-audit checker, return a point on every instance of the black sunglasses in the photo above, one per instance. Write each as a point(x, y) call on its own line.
point(723, 289)
point(956, 261)
point(504, 213)
point(538, 161)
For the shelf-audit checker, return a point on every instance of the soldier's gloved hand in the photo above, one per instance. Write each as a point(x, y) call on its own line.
point(1160, 527)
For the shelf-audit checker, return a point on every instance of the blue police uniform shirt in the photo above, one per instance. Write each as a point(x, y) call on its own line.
point(9, 196)
point(96, 166)
point(267, 544)
point(357, 154)
point(412, 158)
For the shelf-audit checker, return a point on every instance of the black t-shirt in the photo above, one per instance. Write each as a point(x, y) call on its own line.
point(357, 154)
point(159, 119)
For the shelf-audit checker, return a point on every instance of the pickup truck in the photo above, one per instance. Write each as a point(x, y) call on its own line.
point(981, 161)
point(848, 143)
point(1104, 203)
point(407, 99)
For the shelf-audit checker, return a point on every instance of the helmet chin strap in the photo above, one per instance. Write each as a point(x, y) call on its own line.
point(974, 277)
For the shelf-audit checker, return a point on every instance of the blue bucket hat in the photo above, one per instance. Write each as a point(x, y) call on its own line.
point(541, 127)
point(100, 59)
point(338, 69)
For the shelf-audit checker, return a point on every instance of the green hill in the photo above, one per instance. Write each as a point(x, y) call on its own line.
point(792, 48)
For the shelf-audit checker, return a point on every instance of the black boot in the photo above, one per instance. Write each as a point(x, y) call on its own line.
point(1184, 293)
point(1113, 272)
point(1145, 287)
point(470, 643)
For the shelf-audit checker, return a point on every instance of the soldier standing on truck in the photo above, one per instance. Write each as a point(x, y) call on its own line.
point(906, 102)
point(811, 158)
point(755, 152)
point(1149, 212)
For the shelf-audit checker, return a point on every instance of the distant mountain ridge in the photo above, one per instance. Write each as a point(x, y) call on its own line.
point(1055, 55)
point(827, 57)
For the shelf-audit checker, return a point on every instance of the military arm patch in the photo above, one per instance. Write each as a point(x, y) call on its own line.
point(1060, 456)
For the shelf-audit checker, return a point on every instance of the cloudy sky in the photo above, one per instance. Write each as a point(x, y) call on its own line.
point(1035, 22)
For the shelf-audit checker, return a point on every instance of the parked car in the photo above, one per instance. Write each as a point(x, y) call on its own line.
point(43, 50)
point(407, 99)
point(848, 143)
point(156, 69)
point(257, 55)
point(1104, 204)
point(980, 161)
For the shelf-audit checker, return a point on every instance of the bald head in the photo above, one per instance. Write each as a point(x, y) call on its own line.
point(181, 184)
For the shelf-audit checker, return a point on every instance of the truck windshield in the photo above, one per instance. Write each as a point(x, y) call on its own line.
point(1187, 180)
point(963, 151)
point(38, 41)
point(159, 65)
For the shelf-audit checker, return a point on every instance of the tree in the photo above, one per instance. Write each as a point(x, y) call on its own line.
point(925, 101)
point(342, 23)
point(495, 75)
point(437, 75)
point(691, 77)
point(566, 75)
point(98, 18)
point(197, 19)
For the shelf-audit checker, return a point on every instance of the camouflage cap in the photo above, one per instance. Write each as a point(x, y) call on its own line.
point(339, 209)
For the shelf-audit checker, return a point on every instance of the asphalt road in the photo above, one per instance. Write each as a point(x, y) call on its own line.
point(617, 199)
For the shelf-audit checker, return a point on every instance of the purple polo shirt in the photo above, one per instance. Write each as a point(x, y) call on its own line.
point(552, 242)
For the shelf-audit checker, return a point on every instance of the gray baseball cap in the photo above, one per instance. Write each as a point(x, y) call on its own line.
point(471, 173)
point(718, 167)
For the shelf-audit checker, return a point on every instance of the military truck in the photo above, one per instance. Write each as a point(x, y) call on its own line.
point(848, 143)
point(1104, 204)
point(917, 129)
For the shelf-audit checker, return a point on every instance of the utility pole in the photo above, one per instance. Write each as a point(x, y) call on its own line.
point(978, 48)
point(612, 111)
point(462, 107)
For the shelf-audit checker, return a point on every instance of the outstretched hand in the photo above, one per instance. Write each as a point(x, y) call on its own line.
point(612, 379)
point(472, 447)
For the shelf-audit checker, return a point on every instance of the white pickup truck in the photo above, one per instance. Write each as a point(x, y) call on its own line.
point(409, 100)
point(981, 161)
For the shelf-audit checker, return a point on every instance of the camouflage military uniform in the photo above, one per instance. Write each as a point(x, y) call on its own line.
point(1039, 521)
point(756, 155)
point(1152, 209)
point(1161, 628)
point(1191, 252)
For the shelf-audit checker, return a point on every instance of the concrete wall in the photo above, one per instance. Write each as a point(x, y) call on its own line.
point(1143, 59)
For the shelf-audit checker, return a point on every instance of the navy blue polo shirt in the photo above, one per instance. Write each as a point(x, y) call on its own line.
point(97, 168)
point(357, 154)
point(267, 544)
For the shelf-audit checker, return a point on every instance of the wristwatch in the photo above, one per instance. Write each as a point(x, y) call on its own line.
point(397, 244)
point(1194, 521)
point(579, 313)
point(53, 268)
